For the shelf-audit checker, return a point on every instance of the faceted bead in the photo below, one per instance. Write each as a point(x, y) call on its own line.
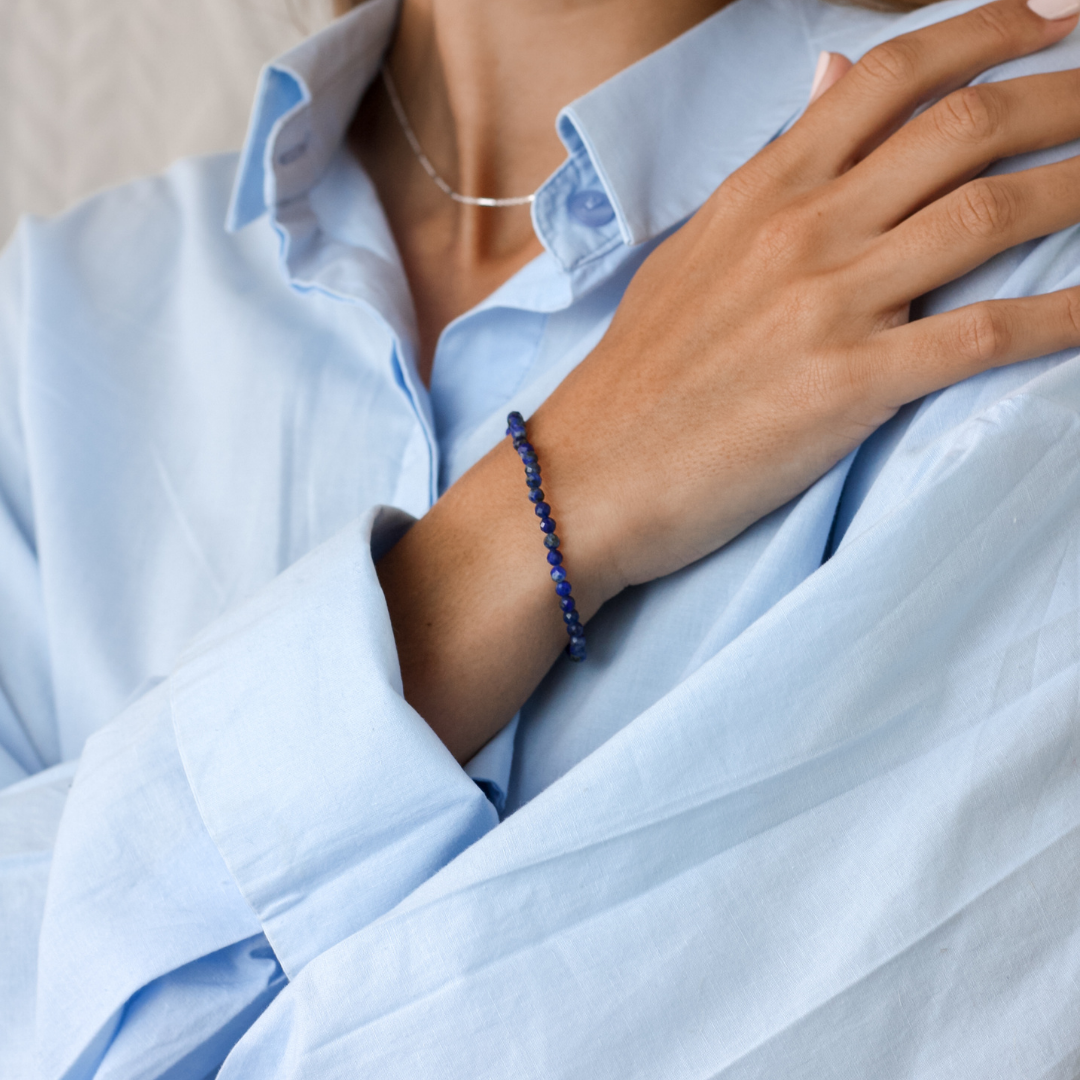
point(570, 617)
point(547, 524)
point(522, 445)
point(532, 481)
point(555, 557)
point(532, 470)
point(542, 509)
point(558, 575)
point(536, 495)
point(567, 603)
point(573, 627)
point(562, 588)
point(576, 651)
point(529, 459)
point(551, 541)
point(515, 421)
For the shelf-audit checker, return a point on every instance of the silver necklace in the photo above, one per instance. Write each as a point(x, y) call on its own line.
point(417, 149)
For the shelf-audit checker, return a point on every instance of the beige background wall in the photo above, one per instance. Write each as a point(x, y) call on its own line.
point(94, 92)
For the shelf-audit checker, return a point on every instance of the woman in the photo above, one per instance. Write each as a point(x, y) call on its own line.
point(786, 816)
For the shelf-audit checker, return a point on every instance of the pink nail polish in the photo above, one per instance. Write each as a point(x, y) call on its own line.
point(825, 57)
point(1054, 9)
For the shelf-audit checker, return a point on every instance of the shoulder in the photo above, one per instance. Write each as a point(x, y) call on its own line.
point(139, 234)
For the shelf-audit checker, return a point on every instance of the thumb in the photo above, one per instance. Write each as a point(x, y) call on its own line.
point(830, 68)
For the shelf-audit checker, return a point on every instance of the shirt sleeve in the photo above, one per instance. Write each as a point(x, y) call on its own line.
point(28, 736)
point(270, 798)
point(845, 847)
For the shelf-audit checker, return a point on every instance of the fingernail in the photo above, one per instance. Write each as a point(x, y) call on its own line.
point(823, 62)
point(1054, 9)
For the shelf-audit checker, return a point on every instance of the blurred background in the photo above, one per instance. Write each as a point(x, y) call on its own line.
point(95, 92)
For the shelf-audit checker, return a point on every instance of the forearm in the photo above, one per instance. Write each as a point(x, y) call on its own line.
point(471, 600)
point(742, 363)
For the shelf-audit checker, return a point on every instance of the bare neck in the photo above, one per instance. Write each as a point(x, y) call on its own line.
point(482, 82)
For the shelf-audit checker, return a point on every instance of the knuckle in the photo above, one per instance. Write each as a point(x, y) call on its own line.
point(1071, 313)
point(813, 389)
point(996, 24)
point(895, 63)
point(769, 173)
point(818, 390)
point(982, 334)
point(971, 115)
point(984, 208)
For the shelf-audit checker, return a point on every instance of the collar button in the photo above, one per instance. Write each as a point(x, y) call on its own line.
point(591, 207)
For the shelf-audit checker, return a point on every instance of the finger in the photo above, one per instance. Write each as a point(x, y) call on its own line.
point(963, 229)
point(895, 78)
point(929, 354)
point(831, 67)
point(956, 140)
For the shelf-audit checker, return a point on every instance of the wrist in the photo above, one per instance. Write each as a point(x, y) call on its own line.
point(586, 520)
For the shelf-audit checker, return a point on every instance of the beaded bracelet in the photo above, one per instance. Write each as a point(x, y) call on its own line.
point(516, 430)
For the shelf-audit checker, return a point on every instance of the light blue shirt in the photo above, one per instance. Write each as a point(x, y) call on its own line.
point(812, 806)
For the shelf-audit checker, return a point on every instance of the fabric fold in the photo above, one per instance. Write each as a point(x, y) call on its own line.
point(247, 795)
point(813, 836)
point(302, 686)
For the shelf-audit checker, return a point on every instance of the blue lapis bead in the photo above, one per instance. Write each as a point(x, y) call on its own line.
point(516, 430)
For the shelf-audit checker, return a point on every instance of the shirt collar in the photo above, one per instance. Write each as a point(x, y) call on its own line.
point(303, 107)
point(644, 149)
point(662, 134)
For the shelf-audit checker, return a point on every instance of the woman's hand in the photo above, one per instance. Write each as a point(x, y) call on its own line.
point(754, 349)
point(770, 335)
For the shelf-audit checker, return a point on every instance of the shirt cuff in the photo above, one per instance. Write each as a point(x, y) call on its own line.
point(329, 798)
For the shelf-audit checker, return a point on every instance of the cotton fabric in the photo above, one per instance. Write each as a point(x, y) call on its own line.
point(811, 805)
